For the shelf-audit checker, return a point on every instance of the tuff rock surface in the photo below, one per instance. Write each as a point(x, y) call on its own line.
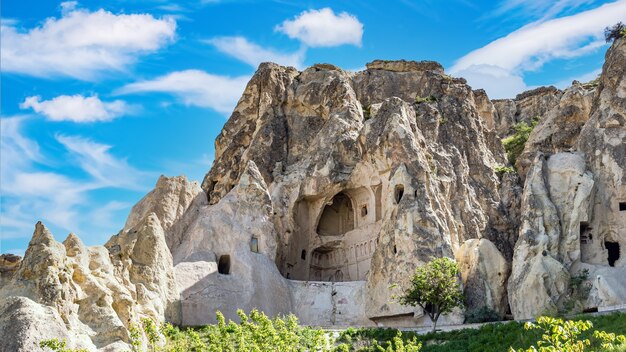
point(329, 186)
point(88, 295)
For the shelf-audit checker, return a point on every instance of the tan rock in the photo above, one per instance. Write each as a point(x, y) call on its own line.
point(484, 272)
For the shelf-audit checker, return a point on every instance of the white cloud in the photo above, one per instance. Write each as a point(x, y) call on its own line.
point(322, 28)
point(537, 8)
point(96, 160)
point(496, 81)
point(82, 44)
point(253, 54)
point(77, 108)
point(195, 87)
point(36, 187)
point(530, 47)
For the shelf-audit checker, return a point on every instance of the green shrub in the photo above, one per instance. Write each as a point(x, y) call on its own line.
point(514, 145)
point(367, 112)
point(501, 170)
point(428, 99)
point(613, 33)
point(481, 315)
point(560, 335)
point(57, 345)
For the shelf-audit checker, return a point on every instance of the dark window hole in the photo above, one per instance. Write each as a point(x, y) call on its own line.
point(223, 265)
point(613, 249)
point(303, 254)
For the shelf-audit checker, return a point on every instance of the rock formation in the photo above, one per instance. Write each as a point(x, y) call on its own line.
point(88, 295)
point(330, 186)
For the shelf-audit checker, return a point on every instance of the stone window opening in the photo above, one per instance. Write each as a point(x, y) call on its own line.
point(614, 252)
point(223, 265)
point(622, 206)
point(363, 210)
point(303, 254)
point(585, 235)
point(254, 245)
point(398, 193)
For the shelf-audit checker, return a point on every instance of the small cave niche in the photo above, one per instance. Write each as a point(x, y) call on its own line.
point(223, 264)
point(398, 193)
point(303, 254)
point(254, 245)
point(585, 233)
point(363, 210)
point(337, 217)
point(622, 206)
point(614, 252)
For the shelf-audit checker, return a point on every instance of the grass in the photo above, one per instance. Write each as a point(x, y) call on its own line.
point(488, 338)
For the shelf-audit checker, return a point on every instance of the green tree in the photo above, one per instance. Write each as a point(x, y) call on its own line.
point(613, 33)
point(435, 287)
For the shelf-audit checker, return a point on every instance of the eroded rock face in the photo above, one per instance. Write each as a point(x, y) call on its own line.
point(556, 201)
point(559, 128)
point(354, 196)
point(524, 108)
point(90, 295)
point(484, 272)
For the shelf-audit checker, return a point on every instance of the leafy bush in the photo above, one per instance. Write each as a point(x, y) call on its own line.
point(435, 287)
point(57, 345)
point(613, 33)
point(514, 145)
point(367, 112)
point(428, 99)
point(481, 315)
point(256, 332)
point(566, 336)
point(501, 170)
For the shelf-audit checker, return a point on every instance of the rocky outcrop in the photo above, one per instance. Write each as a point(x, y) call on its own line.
point(558, 129)
point(484, 272)
point(524, 108)
point(89, 295)
point(169, 201)
point(556, 201)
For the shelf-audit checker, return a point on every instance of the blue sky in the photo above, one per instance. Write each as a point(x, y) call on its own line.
point(100, 98)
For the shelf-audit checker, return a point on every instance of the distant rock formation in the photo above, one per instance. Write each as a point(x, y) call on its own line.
point(330, 186)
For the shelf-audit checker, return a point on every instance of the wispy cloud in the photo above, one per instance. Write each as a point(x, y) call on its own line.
point(253, 54)
point(530, 47)
point(78, 108)
point(35, 189)
point(323, 28)
point(195, 87)
point(82, 44)
point(539, 9)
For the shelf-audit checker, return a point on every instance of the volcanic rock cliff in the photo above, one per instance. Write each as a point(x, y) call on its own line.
point(330, 186)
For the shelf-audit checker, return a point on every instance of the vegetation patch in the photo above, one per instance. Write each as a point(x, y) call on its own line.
point(428, 99)
point(615, 32)
point(514, 144)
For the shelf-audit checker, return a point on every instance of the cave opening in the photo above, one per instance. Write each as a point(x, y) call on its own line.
point(613, 249)
point(622, 206)
point(398, 193)
point(337, 217)
point(223, 264)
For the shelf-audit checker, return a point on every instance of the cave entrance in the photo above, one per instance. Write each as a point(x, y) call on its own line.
point(337, 217)
point(613, 249)
point(223, 265)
